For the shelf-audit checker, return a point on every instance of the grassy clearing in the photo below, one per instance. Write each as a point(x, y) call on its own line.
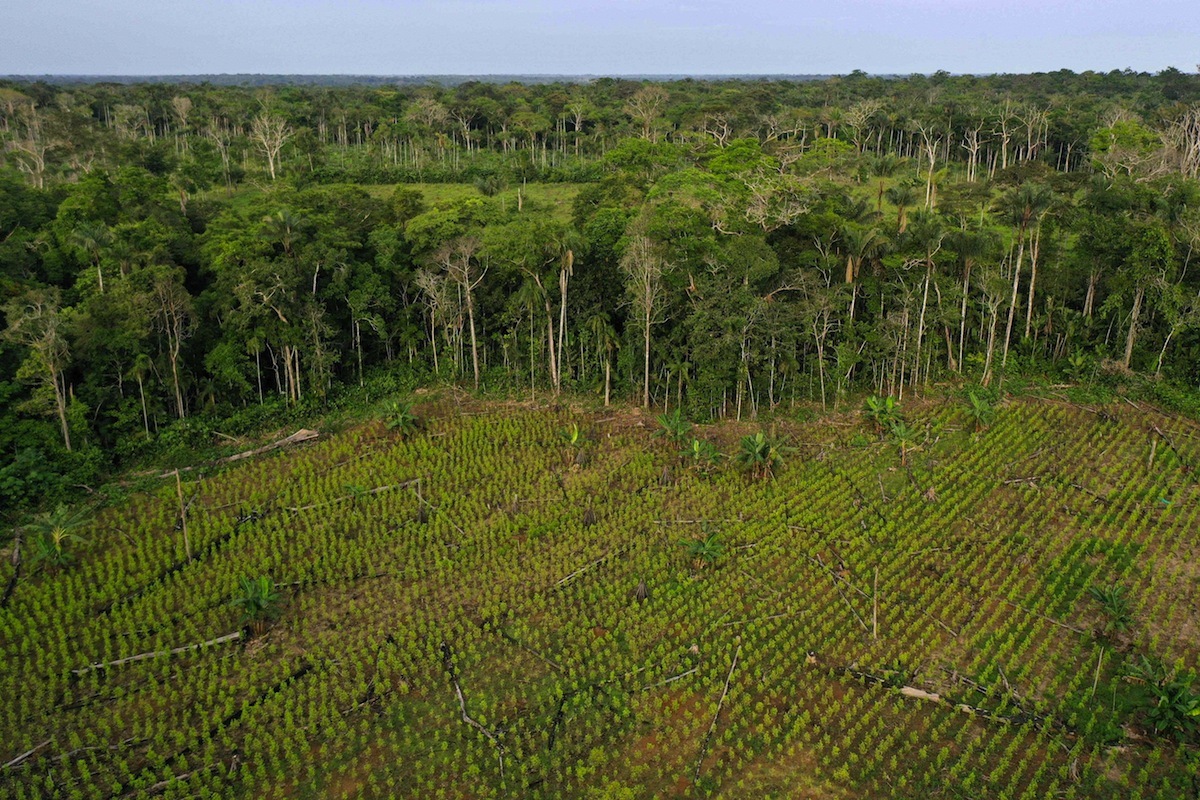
point(485, 609)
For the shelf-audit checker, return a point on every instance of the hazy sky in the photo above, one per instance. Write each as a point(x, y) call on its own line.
point(395, 37)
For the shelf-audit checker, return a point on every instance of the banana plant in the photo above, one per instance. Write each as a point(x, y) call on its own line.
point(982, 410)
point(53, 533)
point(674, 427)
point(906, 437)
point(883, 411)
point(259, 600)
point(402, 418)
point(573, 436)
point(1115, 602)
point(705, 549)
point(702, 454)
point(759, 456)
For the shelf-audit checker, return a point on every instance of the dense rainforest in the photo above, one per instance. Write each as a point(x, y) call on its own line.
point(181, 261)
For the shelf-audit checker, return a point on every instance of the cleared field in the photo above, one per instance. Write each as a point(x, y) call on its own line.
point(485, 609)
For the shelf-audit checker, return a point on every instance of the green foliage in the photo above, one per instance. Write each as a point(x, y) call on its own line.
point(1169, 702)
point(884, 412)
point(982, 410)
point(258, 599)
point(590, 623)
point(53, 532)
point(573, 436)
point(702, 454)
point(402, 419)
point(1114, 600)
point(905, 436)
point(675, 428)
point(759, 456)
point(705, 549)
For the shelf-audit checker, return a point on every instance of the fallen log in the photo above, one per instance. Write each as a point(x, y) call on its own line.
point(302, 435)
point(229, 637)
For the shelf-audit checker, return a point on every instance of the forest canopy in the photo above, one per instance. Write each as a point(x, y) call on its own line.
point(178, 259)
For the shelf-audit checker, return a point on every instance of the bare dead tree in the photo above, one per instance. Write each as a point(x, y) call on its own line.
point(458, 260)
point(646, 107)
point(644, 265)
point(270, 133)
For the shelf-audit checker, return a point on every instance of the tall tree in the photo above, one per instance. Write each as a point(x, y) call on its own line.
point(270, 133)
point(1024, 208)
point(644, 266)
point(37, 321)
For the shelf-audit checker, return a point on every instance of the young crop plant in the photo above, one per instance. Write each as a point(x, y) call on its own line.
point(402, 418)
point(759, 456)
point(259, 601)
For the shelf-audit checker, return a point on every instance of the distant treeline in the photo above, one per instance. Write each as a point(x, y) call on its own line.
point(177, 260)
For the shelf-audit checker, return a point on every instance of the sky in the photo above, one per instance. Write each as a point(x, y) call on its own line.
point(594, 37)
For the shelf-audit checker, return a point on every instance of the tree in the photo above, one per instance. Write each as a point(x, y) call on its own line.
point(457, 258)
point(1024, 207)
point(270, 133)
point(645, 107)
point(37, 322)
point(644, 266)
point(1149, 260)
point(902, 196)
point(174, 318)
point(604, 339)
point(90, 237)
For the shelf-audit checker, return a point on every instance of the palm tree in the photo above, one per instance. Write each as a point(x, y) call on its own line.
point(91, 237)
point(902, 196)
point(926, 234)
point(861, 244)
point(884, 166)
point(284, 228)
point(139, 371)
point(604, 338)
point(971, 244)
